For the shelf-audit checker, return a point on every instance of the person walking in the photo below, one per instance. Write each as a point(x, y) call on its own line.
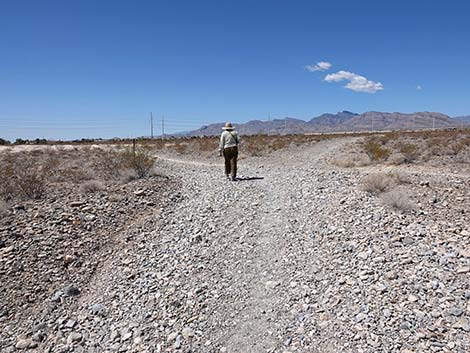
point(228, 147)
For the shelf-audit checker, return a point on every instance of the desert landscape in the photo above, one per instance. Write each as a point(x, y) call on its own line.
point(331, 243)
point(234, 176)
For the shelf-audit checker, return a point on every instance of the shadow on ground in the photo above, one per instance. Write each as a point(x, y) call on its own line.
point(249, 178)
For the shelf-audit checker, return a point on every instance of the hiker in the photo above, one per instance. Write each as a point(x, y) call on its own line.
point(229, 148)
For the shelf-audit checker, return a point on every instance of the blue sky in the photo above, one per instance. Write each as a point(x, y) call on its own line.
point(72, 69)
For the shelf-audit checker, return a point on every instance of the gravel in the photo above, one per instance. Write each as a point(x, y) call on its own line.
point(295, 257)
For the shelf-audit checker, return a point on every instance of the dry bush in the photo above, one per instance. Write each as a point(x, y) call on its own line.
point(108, 163)
point(91, 186)
point(181, 147)
point(349, 161)
point(127, 175)
point(23, 175)
point(376, 151)
point(115, 164)
point(398, 200)
point(396, 159)
point(139, 160)
point(278, 144)
point(378, 183)
point(399, 177)
point(410, 152)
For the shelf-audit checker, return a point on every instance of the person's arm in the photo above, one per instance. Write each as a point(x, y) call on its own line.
point(221, 143)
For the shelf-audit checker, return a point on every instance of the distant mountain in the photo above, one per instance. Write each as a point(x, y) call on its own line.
point(465, 119)
point(342, 121)
point(326, 121)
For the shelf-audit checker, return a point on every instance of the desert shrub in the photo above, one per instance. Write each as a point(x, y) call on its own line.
point(23, 176)
point(410, 152)
point(398, 177)
point(349, 161)
point(378, 183)
point(140, 160)
point(376, 151)
point(181, 147)
point(396, 159)
point(128, 175)
point(108, 163)
point(75, 174)
point(91, 186)
point(398, 200)
point(278, 143)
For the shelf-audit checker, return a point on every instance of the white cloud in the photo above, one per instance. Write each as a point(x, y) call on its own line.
point(356, 82)
point(320, 66)
point(419, 87)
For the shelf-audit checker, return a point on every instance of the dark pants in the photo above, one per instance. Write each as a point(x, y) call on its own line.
point(231, 155)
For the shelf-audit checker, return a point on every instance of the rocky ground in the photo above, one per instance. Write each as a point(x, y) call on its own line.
point(294, 257)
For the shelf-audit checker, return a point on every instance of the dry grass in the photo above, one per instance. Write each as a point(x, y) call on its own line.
point(398, 200)
point(91, 186)
point(28, 175)
point(378, 182)
point(351, 160)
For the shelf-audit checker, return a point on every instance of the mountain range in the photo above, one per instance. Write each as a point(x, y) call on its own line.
point(344, 121)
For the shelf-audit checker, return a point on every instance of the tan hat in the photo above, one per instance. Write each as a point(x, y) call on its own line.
point(228, 126)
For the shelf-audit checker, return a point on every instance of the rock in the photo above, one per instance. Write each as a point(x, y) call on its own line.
point(139, 192)
point(360, 317)
point(74, 337)
point(178, 342)
point(98, 309)
point(25, 343)
point(126, 334)
point(70, 323)
point(463, 269)
point(56, 296)
point(187, 332)
point(456, 311)
point(271, 284)
point(463, 324)
point(412, 298)
point(71, 291)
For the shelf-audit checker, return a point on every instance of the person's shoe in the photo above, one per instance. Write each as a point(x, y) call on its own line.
point(234, 178)
point(227, 176)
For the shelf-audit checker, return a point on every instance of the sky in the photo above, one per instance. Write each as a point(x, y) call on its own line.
point(73, 69)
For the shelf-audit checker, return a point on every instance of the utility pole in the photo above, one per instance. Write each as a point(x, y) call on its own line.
point(151, 125)
point(163, 127)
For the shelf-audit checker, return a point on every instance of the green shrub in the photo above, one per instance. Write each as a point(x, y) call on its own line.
point(375, 151)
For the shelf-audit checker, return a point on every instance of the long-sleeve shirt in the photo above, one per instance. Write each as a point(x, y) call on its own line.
point(228, 139)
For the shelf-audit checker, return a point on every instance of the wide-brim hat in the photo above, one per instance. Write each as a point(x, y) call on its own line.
point(228, 126)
